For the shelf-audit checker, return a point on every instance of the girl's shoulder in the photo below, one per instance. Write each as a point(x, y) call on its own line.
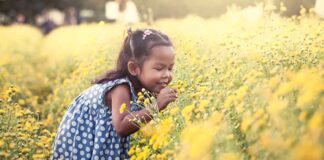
point(115, 82)
point(108, 85)
point(101, 89)
point(117, 87)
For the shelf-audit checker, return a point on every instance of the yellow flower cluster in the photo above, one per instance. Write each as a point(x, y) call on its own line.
point(23, 136)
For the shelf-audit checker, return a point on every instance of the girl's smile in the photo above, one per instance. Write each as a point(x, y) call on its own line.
point(156, 72)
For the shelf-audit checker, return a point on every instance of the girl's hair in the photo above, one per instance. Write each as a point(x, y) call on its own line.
point(136, 46)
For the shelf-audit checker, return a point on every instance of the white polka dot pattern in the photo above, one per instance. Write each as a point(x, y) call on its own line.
point(86, 130)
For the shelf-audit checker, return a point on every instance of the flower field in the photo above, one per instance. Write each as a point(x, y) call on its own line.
point(248, 89)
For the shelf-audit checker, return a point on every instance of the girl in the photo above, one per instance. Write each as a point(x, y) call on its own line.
point(93, 126)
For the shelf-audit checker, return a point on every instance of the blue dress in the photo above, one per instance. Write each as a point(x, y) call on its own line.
point(86, 131)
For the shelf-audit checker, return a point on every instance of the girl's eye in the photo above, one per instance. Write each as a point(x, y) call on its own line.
point(158, 69)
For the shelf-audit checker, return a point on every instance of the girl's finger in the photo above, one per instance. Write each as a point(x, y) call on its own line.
point(173, 97)
point(173, 94)
point(174, 91)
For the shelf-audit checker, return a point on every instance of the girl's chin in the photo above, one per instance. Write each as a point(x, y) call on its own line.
point(158, 90)
point(154, 90)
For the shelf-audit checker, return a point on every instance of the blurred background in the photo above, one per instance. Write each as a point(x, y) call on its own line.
point(48, 14)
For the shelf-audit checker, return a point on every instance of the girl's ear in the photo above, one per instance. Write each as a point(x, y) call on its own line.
point(132, 68)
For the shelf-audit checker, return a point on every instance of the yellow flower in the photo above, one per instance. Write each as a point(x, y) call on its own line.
point(38, 156)
point(302, 116)
point(156, 145)
point(316, 121)
point(12, 145)
point(307, 149)
point(203, 105)
point(19, 114)
point(174, 111)
point(241, 92)
point(229, 156)
point(186, 112)
point(139, 94)
point(21, 101)
point(215, 118)
point(4, 154)
point(122, 108)
point(153, 139)
point(49, 119)
point(228, 102)
point(143, 141)
point(146, 101)
point(146, 152)
point(276, 105)
point(147, 130)
point(28, 126)
point(1, 143)
point(131, 150)
point(195, 145)
point(284, 89)
point(245, 125)
point(25, 150)
point(138, 151)
point(230, 136)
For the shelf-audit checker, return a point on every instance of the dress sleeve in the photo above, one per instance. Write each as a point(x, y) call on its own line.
point(111, 84)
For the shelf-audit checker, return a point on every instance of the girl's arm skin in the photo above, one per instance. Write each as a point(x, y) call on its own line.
point(121, 121)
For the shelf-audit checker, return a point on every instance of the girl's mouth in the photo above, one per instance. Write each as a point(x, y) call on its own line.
point(163, 84)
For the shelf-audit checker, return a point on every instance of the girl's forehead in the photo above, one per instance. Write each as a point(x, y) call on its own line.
point(163, 53)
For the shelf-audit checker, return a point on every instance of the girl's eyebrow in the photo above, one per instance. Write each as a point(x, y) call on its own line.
point(162, 64)
point(159, 63)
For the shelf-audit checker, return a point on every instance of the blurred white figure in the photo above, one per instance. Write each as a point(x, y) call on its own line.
point(56, 16)
point(112, 11)
point(124, 11)
point(252, 13)
point(129, 15)
point(319, 8)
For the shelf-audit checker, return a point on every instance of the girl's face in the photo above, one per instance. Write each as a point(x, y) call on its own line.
point(156, 71)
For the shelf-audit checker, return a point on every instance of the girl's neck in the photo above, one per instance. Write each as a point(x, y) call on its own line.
point(136, 84)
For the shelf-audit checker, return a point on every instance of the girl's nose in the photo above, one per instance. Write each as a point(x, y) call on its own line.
point(167, 74)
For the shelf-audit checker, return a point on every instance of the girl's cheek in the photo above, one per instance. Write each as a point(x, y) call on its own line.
point(171, 77)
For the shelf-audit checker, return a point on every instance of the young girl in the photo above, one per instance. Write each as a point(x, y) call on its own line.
point(93, 126)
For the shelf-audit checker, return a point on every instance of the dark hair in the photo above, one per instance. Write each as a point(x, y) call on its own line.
point(136, 46)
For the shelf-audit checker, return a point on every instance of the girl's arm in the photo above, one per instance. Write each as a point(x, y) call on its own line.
point(122, 121)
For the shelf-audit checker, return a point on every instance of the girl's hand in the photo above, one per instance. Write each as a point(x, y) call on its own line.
point(166, 96)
